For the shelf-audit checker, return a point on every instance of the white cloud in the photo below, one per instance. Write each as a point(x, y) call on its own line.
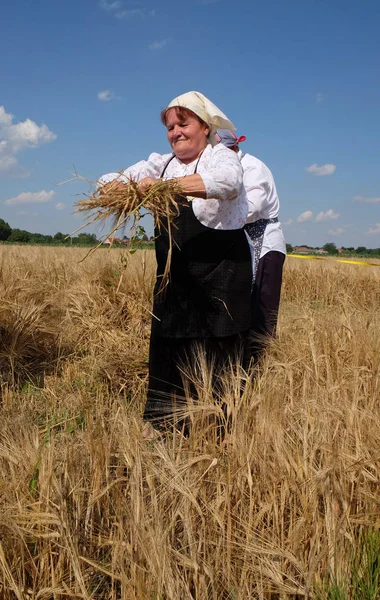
point(319, 98)
point(288, 222)
point(110, 5)
point(158, 45)
point(305, 216)
point(19, 136)
point(132, 12)
point(326, 216)
point(375, 229)
point(116, 8)
point(10, 166)
point(29, 134)
point(106, 95)
point(31, 198)
point(60, 206)
point(337, 231)
point(366, 200)
point(327, 169)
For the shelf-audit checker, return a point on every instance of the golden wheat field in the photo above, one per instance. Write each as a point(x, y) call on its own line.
point(287, 506)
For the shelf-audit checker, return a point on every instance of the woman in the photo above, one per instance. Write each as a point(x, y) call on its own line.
point(264, 229)
point(206, 301)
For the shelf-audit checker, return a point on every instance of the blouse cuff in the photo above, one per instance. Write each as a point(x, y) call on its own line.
point(212, 190)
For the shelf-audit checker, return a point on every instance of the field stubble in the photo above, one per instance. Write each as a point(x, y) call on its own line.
point(88, 509)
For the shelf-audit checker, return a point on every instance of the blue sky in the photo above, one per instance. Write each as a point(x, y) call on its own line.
point(83, 82)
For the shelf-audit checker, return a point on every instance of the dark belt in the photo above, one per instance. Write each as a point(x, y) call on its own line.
point(257, 229)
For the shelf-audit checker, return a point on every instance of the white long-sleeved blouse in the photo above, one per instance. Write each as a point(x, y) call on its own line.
point(263, 202)
point(226, 206)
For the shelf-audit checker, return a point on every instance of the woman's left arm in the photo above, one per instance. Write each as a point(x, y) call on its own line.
point(222, 179)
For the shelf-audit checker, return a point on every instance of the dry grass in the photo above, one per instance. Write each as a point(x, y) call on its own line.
point(90, 510)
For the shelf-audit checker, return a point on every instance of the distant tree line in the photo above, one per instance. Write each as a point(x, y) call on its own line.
point(21, 236)
point(332, 250)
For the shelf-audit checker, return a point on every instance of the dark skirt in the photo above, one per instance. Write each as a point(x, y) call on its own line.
point(175, 364)
point(266, 295)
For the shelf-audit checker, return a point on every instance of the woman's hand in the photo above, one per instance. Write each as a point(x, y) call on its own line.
point(146, 183)
point(112, 186)
point(117, 186)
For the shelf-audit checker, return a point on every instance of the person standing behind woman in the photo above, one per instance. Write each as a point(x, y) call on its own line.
point(206, 301)
point(265, 233)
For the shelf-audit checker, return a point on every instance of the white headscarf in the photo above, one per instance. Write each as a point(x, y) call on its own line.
point(205, 110)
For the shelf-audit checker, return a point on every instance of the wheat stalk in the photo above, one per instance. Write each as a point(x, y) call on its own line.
point(123, 203)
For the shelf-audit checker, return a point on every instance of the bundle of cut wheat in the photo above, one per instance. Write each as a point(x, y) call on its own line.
point(128, 202)
point(125, 203)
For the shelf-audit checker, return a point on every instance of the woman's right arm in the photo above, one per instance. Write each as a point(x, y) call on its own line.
point(152, 167)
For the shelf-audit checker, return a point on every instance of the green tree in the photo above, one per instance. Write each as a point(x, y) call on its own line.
point(87, 238)
point(361, 250)
point(19, 235)
point(40, 238)
point(289, 248)
point(59, 237)
point(5, 230)
point(330, 248)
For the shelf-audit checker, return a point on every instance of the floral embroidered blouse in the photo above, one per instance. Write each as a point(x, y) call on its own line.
point(226, 206)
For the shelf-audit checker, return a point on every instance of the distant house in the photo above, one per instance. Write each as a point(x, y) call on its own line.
point(340, 250)
point(321, 251)
point(112, 240)
point(303, 250)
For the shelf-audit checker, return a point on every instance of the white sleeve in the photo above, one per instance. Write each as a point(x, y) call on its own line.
point(223, 178)
point(152, 167)
point(256, 188)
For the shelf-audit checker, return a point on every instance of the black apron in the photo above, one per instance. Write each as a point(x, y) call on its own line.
point(209, 288)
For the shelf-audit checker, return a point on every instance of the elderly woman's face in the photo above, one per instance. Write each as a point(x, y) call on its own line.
point(187, 136)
